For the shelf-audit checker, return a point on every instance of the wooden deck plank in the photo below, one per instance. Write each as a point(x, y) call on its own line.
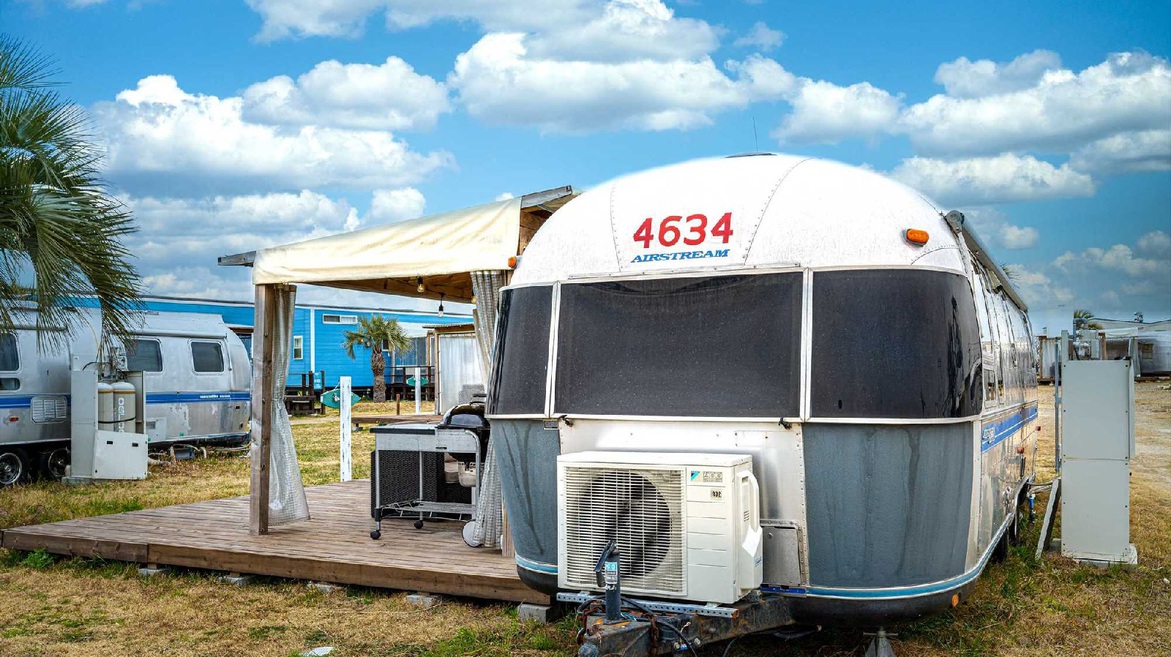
point(332, 546)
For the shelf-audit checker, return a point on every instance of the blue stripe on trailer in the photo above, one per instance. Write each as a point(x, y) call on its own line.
point(9, 401)
point(195, 397)
point(996, 432)
point(536, 566)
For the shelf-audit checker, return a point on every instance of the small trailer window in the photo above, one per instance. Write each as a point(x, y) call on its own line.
point(718, 346)
point(9, 358)
point(893, 343)
point(298, 347)
point(207, 356)
point(144, 356)
point(522, 352)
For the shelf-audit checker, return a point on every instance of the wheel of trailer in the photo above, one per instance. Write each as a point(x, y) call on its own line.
point(53, 463)
point(14, 466)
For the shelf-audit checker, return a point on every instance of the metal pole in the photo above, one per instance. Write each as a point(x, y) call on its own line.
point(418, 389)
point(346, 457)
point(1062, 349)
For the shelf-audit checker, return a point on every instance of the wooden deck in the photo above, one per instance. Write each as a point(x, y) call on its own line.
point(334, 546)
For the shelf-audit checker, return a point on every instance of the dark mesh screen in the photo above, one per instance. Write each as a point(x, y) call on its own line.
point(715, 346)
point(522, 351)
point(887, 505)
point(894, 343)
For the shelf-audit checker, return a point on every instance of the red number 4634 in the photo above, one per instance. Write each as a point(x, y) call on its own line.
point(669, 232)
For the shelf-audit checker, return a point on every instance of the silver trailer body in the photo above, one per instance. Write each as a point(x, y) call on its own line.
point(197, 375)
point(777, 307)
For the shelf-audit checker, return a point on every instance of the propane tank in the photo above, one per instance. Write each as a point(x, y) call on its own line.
point(124, 394)
point(105, 406)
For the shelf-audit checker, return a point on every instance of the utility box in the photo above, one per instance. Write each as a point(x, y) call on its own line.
point(1097, 445)
point(98, 454)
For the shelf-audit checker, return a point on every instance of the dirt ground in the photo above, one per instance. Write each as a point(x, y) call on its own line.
point(86, 608)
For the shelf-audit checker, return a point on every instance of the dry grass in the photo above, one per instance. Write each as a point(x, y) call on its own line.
point(82, 607)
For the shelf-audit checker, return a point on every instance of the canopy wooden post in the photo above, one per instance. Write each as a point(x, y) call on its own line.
point(263, 352)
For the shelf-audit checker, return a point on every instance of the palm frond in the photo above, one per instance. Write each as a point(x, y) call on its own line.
point(61, 233)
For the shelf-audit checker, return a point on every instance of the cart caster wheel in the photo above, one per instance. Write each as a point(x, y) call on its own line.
point(376, 534)
point(418, 524)
point(469, 533)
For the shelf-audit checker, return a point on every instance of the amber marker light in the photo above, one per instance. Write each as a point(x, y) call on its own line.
point(916, 236)
point(512, 262)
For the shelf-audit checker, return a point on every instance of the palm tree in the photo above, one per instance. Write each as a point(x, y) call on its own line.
point(60, 231)
point(377, 333)
point(1081, 320)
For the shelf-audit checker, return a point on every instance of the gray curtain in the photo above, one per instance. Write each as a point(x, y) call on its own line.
point(486, 286)
point(286, 492)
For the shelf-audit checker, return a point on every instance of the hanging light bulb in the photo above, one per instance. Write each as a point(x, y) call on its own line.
point(441, 304)
point(473, 299)
point(422, 288)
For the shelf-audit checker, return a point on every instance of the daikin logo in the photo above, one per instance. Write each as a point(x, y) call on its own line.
point(681, 255)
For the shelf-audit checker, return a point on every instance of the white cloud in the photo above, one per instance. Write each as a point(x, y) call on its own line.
point(179, 239)
point(503, 196)
point(1155, 244)
point(760, 36)
point(824, 112)
point(396, 204)
point(1119, 257)
point(993, 226)
point(1019, 237)
point(988, 180)
point(390, 96)
point(163, 139)
point(1147, 150)
point(1061, 112)
point(498, 80)
point(627, 30)
point(964, 78)
point(347, 18)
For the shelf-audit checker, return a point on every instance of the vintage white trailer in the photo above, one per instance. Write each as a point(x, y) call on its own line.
point(839, 328)
point(195, 370)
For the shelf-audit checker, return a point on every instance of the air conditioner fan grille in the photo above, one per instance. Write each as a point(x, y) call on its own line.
point(640, 510)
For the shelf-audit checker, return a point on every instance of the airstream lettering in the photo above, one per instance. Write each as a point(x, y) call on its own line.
point(882, 385)
point(196, 371)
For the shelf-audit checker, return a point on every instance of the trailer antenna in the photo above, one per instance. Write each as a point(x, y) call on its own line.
point(755, 141)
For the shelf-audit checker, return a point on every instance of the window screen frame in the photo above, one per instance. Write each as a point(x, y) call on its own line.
point(223, 357)
point(550, 349)
point(11, 335)
point(808, 416)
point(162, 360)
point(801, 361)
point(298, 345)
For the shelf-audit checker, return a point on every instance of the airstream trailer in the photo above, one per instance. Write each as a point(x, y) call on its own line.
point(196, 373)
point(831, 324)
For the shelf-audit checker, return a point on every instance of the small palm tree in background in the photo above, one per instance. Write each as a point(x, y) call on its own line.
point(60, 231)
point(1081, 320)
point(377, 333)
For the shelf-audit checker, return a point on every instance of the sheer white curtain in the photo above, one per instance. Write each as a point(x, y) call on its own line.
point(286, 492)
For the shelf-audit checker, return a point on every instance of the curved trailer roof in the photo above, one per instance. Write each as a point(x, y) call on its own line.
point(782, 211)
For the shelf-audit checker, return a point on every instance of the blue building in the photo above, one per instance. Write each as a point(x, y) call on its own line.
point(318, 333)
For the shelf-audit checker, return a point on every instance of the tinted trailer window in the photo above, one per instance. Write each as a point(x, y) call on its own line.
point(522, 352)
point(720, 346)
point(894, 343)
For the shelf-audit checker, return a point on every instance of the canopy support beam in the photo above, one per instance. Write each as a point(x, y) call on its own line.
point(264, 353)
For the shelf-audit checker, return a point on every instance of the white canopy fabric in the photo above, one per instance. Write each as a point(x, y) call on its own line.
point(440, 248)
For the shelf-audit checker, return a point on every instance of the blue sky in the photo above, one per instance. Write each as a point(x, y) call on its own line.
point(233, 124)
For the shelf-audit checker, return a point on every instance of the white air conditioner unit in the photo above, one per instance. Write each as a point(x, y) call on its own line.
point(687, 525)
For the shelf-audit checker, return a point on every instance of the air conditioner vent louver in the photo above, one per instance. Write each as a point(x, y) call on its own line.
point(49, 409)
point(637, 508)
